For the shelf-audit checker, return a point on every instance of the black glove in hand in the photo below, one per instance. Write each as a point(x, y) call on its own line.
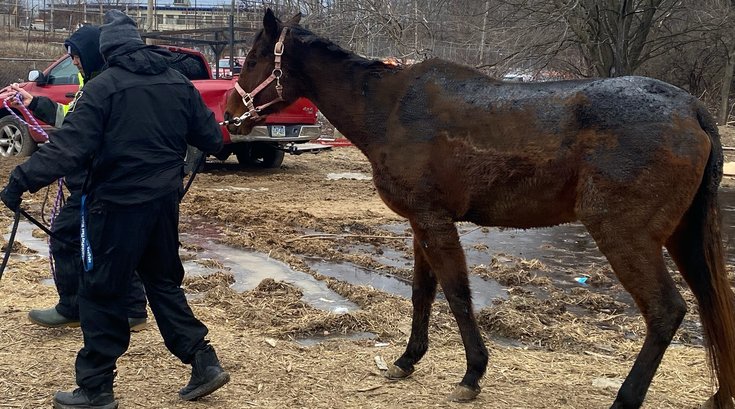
point(11, 197)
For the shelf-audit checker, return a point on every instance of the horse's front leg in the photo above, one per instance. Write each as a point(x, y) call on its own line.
point(437, 239)
point(422, 296)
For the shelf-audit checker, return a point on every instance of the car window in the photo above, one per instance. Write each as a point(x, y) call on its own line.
point(224, 63)
point(64, 73)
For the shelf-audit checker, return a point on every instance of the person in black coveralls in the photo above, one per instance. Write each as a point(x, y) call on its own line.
point(130, 128)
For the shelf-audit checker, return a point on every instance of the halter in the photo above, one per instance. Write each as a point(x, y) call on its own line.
point(248, 98)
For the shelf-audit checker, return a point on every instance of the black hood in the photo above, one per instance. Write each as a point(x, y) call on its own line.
point(145, 59)
point(121, 45)
point(85, 42)
point(118, 32)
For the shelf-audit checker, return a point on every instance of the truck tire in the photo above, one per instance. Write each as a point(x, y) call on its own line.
point(15, 138)
point(191, 159)
point(267, 156)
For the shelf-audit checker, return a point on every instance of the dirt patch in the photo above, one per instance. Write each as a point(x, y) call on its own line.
point(550, 346)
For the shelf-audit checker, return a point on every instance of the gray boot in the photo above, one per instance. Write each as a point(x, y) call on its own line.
point(207, 375)
point(50, 318)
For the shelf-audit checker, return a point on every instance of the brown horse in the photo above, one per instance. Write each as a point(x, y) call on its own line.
point(636, 160)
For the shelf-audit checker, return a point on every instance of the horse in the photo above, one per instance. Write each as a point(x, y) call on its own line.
point(637, 161)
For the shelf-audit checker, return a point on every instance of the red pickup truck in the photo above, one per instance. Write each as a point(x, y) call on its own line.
point(288, 131)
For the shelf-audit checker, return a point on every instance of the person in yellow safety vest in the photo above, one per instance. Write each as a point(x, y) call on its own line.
point(83, 48)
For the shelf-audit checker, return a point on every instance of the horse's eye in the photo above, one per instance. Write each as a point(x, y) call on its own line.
point(252, 63)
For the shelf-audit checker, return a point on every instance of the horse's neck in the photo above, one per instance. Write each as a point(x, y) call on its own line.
point(344, 91)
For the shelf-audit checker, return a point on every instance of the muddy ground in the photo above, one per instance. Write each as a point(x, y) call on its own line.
point(568, 348)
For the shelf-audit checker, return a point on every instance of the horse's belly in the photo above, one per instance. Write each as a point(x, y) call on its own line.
point(522, 211)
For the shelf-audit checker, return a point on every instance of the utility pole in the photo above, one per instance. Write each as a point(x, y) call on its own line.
point(149, 16)
point(52, 16)
point(232, 36)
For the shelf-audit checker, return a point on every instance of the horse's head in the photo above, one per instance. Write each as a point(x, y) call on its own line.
point(263, 86)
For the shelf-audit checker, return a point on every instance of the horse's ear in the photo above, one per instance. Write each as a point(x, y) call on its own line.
point(270, 24)
point(294, 20)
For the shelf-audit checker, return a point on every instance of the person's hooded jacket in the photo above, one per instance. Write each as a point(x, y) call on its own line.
point(85, 42)
point(130, 126)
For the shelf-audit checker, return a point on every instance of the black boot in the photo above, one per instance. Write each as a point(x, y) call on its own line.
point(80, 398)
point(207, 375)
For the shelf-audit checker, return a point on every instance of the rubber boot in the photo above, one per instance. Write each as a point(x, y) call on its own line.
point(207, 375)
point(50, 318)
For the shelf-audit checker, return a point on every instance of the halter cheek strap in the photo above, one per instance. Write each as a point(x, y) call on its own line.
point(248, 97)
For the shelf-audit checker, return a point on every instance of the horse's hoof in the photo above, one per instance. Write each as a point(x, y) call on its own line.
point(395, 372)
point(463, 393)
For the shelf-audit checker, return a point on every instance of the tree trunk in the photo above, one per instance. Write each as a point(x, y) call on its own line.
point(725, 91)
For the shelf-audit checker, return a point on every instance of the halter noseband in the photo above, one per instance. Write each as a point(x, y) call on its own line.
point(248, 97)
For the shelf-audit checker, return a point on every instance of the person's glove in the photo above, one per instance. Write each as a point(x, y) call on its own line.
point(11, 197)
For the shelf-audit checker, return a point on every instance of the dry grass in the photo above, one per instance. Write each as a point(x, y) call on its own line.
point(19, 46)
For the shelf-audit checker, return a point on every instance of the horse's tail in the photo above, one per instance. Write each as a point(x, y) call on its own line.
point(709, 280)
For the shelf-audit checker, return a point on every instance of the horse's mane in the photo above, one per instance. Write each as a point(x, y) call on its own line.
point(313, 40)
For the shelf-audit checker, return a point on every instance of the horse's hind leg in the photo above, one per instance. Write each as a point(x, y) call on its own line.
point(422, 296)
point(687, 249)
point(638, 262)
point(438, 240)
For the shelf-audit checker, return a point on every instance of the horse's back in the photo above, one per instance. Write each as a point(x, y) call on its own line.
point(540, 154)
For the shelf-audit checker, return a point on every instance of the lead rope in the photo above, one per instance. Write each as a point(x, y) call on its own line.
point(199, 164)
point(9, 247)
point(59, 195)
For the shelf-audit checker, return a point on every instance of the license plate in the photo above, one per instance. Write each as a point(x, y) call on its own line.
point(278, 130)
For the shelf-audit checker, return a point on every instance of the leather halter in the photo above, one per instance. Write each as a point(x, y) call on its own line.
point(248, 97)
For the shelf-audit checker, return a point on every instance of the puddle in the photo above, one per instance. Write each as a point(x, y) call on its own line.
point(24, 235)
point(349, 175)
point(250, 268)
point(483, 291)
point(566, 246)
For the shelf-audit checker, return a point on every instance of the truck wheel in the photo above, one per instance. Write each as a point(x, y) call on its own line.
point(266, 156)
point(191, 159)
point(15, 138)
